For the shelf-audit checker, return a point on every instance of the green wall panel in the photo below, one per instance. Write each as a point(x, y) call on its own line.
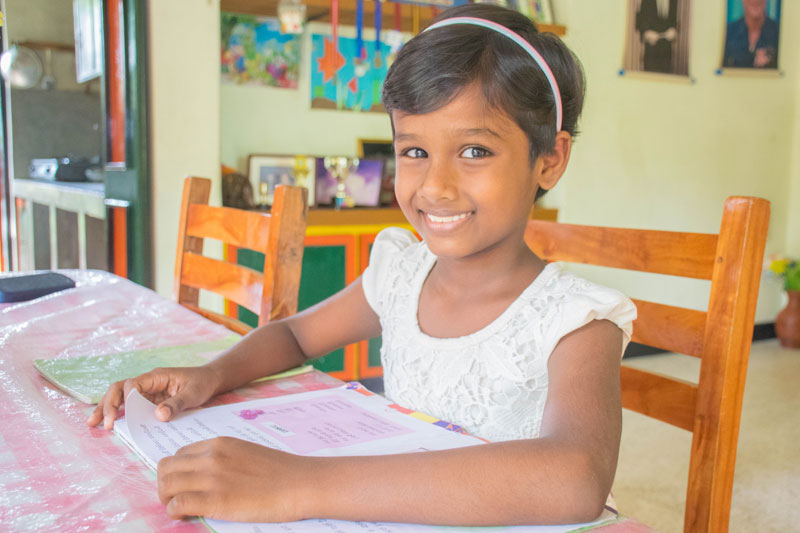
point(323, 275)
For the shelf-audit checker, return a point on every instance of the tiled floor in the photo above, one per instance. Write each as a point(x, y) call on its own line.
point(654, 457)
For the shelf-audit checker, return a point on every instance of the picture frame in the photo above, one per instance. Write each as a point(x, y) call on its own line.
point(738, 52)
point(88, 24)
point(267, 171)
point(363, 184)
point(375, 148)
point(657, 41)
point(382, 149)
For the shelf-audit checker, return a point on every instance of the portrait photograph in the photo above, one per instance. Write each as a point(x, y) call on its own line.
point(752, 34)
point(268, 171)
point(658, 37)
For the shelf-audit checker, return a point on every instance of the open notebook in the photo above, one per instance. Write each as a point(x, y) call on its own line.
point(348, 420)
point(87, 378)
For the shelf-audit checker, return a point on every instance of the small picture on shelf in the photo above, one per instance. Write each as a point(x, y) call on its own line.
point(362, 184)
point(269, 171)
point(381, 149)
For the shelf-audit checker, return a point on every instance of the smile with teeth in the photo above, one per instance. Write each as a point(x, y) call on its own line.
point(446, 220)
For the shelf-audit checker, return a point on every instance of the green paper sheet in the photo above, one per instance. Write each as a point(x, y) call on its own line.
point(87, 378)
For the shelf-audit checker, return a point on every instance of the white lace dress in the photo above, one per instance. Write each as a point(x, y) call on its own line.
point(492, 382)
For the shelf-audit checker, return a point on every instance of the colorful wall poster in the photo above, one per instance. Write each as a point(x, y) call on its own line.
point(341, 81)
point(752, 34)
point(255, 52)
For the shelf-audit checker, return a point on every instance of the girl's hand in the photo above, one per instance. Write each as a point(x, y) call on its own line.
point(173, 389)
point(232, 479)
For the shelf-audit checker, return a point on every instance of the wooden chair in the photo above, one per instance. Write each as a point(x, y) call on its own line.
point(278, 235)
point(721, 336)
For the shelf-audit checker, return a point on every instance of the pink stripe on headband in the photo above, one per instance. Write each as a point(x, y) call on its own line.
point(499, 28)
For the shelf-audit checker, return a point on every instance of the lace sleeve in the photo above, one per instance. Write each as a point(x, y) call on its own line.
point(386, 251)
point(586, 302)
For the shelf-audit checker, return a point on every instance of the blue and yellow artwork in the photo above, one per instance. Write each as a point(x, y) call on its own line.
point(340, 80)
point(254, 51)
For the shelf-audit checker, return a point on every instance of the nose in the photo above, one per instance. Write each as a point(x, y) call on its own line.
point(440, 181)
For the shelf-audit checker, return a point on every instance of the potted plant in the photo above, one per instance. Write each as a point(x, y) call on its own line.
point(787, 323)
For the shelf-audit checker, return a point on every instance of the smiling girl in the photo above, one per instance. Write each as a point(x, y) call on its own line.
point(477, 330)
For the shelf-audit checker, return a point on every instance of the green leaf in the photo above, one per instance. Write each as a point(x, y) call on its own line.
point(792, 278)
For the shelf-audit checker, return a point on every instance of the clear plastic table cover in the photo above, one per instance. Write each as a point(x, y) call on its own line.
point(56, 473)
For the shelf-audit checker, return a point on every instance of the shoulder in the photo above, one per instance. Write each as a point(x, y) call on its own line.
point(395, 244)
point(396, 253)
point(736, 28)
point(771, 27)
point(394, 240)
point(579, 301)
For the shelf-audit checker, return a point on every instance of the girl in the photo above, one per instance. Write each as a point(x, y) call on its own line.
point(476, 329)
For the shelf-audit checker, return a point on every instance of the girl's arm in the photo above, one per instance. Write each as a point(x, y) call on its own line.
point(274, 347)
point(562, 477)
point(344, 318)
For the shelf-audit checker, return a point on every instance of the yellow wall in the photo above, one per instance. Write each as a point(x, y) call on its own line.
point(184, 93)
point(793, 220)
point(662, 154)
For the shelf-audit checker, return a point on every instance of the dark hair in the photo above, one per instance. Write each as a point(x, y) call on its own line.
point(433, 67)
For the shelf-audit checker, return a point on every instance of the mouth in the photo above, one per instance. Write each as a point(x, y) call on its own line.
point(445, 222)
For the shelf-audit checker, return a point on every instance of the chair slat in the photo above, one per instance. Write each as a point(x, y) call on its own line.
point(684, 334)
point(236, 283)
point(229, 322)
point(667, 399)
point(662, 252)
point(244, 229)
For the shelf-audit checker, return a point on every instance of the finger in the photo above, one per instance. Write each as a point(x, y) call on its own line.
point(111, 402)
point(170, 485)
point(150, 383)
point(96, 416)
point(97, 413)
point(195, 448)
point(184, 398)
point(191, 504)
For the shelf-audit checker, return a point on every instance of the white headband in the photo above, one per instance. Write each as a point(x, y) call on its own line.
point(499, 28)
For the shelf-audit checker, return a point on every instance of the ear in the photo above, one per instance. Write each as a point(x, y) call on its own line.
point(550, 167)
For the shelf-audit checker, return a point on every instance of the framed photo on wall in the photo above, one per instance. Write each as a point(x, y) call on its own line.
point(268, 171)
point(752, 34)
point(657, 39)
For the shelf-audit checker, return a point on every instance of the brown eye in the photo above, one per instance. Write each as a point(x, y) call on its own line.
point(475, 152)
point(415, 153)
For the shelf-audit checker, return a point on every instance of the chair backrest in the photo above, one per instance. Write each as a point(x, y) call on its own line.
point(720, 336)
point(279, 235)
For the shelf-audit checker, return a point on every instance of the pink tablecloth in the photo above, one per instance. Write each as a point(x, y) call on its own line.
point(55, 472)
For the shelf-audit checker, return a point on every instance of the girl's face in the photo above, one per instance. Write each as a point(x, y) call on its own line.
point(463, 177)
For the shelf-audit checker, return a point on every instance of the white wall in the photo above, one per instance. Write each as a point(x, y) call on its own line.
point(267, 120)
point(661, 154)
point(184, 118)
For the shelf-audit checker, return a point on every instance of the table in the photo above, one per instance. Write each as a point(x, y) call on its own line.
point(56, 473)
